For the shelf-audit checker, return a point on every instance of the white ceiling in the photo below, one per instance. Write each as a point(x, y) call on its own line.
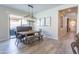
point(37, 7)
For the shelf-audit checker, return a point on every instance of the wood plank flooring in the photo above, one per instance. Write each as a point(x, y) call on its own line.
point(47, 46)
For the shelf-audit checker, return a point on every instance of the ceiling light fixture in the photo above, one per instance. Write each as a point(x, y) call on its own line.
point(30, 16)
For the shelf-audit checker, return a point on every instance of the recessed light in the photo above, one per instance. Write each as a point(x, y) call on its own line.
point(61, 14)
point(69, 10)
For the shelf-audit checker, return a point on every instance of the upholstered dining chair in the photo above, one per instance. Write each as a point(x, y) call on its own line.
point(19, 39)
point(75, 45)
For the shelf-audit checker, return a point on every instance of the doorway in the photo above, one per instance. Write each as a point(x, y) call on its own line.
point(68, 25)
point(67, 22)
point(14, 22)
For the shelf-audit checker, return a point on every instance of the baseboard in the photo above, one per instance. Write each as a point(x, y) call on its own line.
point(50, 38)
point(3, 39)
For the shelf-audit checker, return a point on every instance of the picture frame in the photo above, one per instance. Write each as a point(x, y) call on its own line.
point(42, 21)
point(48, 21)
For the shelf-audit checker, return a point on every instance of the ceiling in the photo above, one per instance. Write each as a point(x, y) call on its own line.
point(69, 11)
point(37, 7)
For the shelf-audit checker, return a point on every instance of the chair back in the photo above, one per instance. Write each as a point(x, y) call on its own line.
point(75, 45)
point(23, 28)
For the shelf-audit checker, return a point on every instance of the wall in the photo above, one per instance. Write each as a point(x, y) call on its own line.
point(53, 12)
point(3, 25)
point(78, 20)
point(4, 21)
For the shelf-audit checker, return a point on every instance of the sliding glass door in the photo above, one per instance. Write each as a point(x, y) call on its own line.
point(13, 25)
point(14, 22)
point(18, 21)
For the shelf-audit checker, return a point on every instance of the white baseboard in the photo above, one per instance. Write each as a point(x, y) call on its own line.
point(4, 39)
point(51, 37)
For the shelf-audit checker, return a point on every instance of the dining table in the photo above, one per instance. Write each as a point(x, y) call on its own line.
point(30, 33)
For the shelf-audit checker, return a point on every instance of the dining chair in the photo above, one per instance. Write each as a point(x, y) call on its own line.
point(19, 39)
point(75, 45)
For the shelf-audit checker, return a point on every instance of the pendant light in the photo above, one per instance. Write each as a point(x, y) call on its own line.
point(30, 16)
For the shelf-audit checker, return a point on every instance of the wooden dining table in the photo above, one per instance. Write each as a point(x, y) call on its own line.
point(28, 32)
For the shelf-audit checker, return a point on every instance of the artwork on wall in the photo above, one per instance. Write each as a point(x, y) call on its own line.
point(45, 21)
point(42, 21)
point(39, 22)
point(48, 21)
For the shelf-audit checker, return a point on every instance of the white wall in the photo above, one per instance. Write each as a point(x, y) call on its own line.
point(53, 12)
point(4, 21)
point(3, 25)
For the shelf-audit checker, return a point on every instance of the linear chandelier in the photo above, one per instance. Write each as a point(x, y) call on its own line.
point(30, 16)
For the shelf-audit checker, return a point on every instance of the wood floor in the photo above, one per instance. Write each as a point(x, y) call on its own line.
point(47, 46)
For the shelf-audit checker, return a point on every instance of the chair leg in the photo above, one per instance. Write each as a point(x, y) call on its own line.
point(17, 42)
point(27, 41)
point(41, 38)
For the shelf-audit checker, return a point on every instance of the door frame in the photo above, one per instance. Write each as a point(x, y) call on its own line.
point(59, 21)
point(9, 25)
